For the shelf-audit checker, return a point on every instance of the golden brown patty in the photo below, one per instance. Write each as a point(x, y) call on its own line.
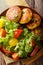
point(14, 13)
point(26, 16)
point(35, 23)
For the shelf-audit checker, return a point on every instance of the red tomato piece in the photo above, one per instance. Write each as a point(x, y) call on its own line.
point(32, 43)
point(5, 51)
point(34, 51)
point(2, 32)
point(15, 56)
point(17, 33)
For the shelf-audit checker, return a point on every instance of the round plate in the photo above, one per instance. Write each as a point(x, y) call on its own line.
point(29, 60)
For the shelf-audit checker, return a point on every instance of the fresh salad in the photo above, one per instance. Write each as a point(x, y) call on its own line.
point(20, 34)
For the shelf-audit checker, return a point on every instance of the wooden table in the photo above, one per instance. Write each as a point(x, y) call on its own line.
point(4, 4)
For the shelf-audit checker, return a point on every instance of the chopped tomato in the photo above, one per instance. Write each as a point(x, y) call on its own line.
point(5, 51)
point(17, 33)
point(34, 51)
point(32, 43)
point(15, 56)
point(2, 32)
